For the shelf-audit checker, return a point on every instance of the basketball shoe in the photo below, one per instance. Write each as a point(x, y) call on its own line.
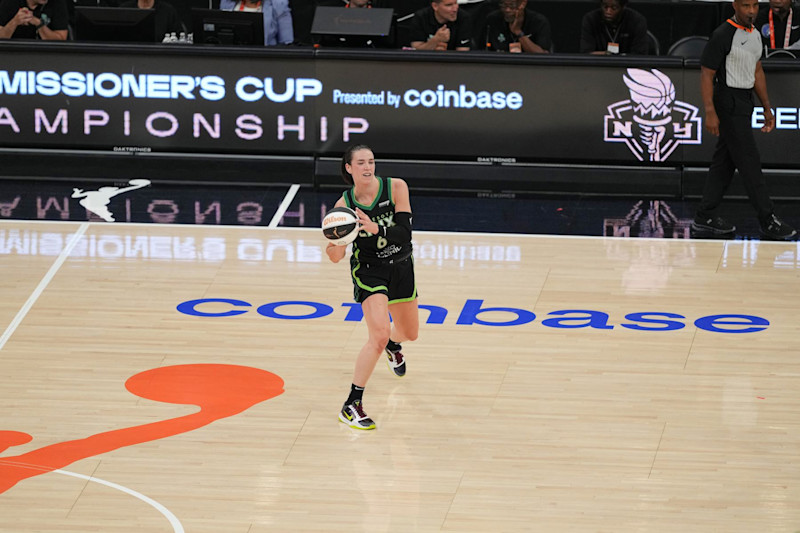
point(714, 227)
point(354, 416)
point(776, 229)
point(396, 360)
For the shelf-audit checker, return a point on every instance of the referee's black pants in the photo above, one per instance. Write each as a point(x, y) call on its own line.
point(736, 149)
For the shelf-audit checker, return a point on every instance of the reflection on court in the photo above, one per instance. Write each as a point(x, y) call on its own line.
point(305, 249)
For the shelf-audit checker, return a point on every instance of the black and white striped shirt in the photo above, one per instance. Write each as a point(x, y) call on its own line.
point(733, 51)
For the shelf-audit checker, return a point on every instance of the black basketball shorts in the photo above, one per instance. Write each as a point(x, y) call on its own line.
point(395, 280)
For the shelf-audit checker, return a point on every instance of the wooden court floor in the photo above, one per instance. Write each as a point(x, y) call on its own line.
point(188, 378)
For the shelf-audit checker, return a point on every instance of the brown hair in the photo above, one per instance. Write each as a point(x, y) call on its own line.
point(348, 157)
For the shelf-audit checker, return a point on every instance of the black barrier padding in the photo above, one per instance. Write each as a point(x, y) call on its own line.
point(543, 112)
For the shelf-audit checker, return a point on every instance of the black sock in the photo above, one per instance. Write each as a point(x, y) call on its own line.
point(393, 346)
point(356, 393)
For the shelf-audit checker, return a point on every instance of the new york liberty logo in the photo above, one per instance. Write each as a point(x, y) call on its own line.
point(652, 122)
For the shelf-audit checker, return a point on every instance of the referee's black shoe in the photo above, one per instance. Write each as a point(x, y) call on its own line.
point(777, 230)
point(715, 227)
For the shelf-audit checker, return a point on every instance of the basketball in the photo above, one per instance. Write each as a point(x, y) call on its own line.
point(340, 226)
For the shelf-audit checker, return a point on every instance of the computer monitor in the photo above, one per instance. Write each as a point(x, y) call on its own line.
point(115, 24)
point(375, 22)
point(212, 26)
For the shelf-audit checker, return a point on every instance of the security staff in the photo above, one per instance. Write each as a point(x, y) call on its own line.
point(779, 24)
point(730, 72)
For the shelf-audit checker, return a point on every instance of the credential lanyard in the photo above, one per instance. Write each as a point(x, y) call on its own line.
point(616, 33)
point(786, 33)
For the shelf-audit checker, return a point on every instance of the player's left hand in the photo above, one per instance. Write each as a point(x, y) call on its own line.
point(366, 223)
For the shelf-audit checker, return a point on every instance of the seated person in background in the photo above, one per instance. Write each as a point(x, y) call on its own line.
point(359, 41)
point(167, 19)
point(515, 28)
point(34, 19)
point(277, 18)
point(779, 24)
point(614, 28)
point(441, 27)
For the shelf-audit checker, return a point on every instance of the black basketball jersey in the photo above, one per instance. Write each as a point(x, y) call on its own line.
point(369, 248)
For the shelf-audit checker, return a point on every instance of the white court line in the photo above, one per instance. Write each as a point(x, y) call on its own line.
point(284, 205)
point(485, 234)
point(43, 284)
point(173, 520)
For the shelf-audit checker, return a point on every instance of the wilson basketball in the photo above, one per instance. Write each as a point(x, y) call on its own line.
point(340, 226)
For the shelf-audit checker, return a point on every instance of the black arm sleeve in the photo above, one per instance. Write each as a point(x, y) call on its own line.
point(400, 233)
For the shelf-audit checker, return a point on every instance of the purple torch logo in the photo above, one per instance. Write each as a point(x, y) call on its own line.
point(652, 123)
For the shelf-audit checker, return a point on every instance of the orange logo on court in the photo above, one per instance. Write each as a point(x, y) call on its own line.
point(219, 391)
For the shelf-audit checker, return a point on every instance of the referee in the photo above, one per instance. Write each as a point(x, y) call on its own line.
point(730, 71)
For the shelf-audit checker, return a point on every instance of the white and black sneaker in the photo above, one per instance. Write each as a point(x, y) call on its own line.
point(354, 416)
point(396, 360)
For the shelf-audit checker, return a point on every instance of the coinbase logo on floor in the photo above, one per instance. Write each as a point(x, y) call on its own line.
point(652, 122)
point(478, 313)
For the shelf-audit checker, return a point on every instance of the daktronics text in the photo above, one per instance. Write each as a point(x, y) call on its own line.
point(473, 312)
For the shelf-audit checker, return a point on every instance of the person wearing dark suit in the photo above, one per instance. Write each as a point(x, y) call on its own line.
point(779, 24)
point(515, 28)
point(614, 28)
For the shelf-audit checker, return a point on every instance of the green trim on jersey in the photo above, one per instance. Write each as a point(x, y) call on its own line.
point(373, 247)
point(350, 197)
point(413, 295)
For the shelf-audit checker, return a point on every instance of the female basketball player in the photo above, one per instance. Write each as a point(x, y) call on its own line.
point(382, 271)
